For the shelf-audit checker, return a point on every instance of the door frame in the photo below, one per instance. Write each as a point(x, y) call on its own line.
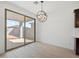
point(24, 30)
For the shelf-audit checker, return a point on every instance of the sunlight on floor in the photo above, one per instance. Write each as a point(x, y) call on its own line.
point(20, 40)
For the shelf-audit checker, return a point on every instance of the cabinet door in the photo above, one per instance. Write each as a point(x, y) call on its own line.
point(77, 46)
point(76, 18)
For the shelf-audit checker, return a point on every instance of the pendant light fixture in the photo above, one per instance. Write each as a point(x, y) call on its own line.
point(41, 15)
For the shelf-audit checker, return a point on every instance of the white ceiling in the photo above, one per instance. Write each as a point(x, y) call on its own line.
point(29, 5)
point(48, 6)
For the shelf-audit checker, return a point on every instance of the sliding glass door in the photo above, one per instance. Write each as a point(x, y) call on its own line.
point(14, 30)
point(20, 30)
point(29, 30)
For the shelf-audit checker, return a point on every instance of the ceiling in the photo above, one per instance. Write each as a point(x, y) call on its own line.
point(48, 6)
point(29, 5)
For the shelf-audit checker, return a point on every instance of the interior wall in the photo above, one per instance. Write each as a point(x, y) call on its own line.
point(59, 28)
point(7, 5)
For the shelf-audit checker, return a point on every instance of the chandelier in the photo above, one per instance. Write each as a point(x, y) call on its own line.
point(41, 15)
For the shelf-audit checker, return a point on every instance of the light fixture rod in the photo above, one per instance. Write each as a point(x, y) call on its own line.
point(42, 5)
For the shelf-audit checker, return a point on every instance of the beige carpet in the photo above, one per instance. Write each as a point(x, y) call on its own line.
point(39, 50)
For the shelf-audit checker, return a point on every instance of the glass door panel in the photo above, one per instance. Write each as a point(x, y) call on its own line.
point(29, 30)
point(14, 30)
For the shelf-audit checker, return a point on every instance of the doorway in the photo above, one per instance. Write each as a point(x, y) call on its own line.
point(20, 29)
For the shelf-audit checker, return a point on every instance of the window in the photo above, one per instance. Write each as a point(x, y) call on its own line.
point(11, 22)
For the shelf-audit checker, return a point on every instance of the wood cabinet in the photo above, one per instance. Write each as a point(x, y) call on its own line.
point(77, 46)
point(76, 17)
point(76, 11)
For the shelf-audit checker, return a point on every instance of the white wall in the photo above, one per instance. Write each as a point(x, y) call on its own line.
point(7, 5)
point(59, 28)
